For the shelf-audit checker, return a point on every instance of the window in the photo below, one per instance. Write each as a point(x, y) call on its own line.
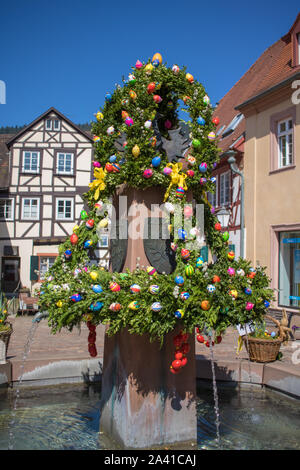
point(233, 125)
point(30, 209)
point(285, 143)
point(31, 162)
point(289, 269)
point(6, 209)
point(45, 263)
point(213, 197)
point(224, 188)
point(64, 209)
point(56, 125)
point(49, 124)
point(65, 163)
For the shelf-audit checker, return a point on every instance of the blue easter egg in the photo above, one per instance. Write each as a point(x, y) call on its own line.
point(266, 303)
point(87, 244)
point(155, 63)
point(273, 334)
point(179, 280)
point(203, 167)
point(76, 297)
point(113, 159)
point(68, 254)
point(181, 234)
point(122, 161)
point(156, 162)
point(97, 288)
point(108, 97)
point(201, 121)
point(248, 291)
point(96, 307)
point(213, 179)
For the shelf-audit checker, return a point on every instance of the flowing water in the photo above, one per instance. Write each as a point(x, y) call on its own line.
point(67, 417)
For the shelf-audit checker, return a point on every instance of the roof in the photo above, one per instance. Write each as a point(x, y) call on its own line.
point(4, 161)
point(272, 68)
point(42, 116)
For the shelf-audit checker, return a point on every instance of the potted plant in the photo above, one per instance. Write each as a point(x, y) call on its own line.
point(263, 346)
point(5, 330)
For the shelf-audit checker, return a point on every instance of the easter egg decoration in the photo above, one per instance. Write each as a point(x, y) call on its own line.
point(87, 244)
point(115, 307)
point(136, 151)
point(203, 181)
point(240, 272)
point(96, 306)
point(218, 226)
point(184, 295)
point(112, 159)
point(114, 287)
point(266, 303)
point(230, 255)
point(83, 215)
point(96, 139)
point(108, 97)
point(194, 232)
point(231, 271)
point(129, 121)
point(215, 121)
point(124, 115)
point(103, 223)
point(157, 99)
point(205, 305)
point(133, 95)
point(131, 79)
point(249, 306)
point(174, 246)
point(201, 121)
point(211, 288)
point(211, 136)
point(203, 167)
point(189, 78)
point(59, 303)
point(135, 289)
point(175, 69)
point(76, 297)
point(180, 192)
point(151, 271)
point(199, 262)
point(189, 270)
point(156, 161)
point(148, 173)
point(138, 64)
point(206, 99)
point(99, 116)
point(190, 173)
point(154, 289)
point(148, 124)
point(248, 291)
point(216, 279)
point(133, 305)
point(225, 236)
point(108, 167)
point(182, 234)
point(179, 280)
point(68, 254)
point(233, 293)
point(200, 339)
point(74, 239)
point(97, 288)
point(151, 88)
point(167, 171)
point(110, 130)
point(148, 69)
point(196, 143)
point(188, 211)
point(156, 307)
point(90, 224)
point(94, 275)
point(96, 165)
point(179, 314)
point(157, 56)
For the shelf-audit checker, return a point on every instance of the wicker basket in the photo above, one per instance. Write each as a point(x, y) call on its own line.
point(4, 339)
point(264, 350)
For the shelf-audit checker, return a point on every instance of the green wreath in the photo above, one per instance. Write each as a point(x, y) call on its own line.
point(133, 145)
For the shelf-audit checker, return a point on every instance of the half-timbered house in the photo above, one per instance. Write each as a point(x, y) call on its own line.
point(46, 168)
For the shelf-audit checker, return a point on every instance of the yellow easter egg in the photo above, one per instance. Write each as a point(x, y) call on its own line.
point(148, 69)
point(158, 57)
point(103, 223)
point(75, 228)
point(99, 116)
point(189, 77)
point(59, 303)
point(94, 275)
point(136, 151)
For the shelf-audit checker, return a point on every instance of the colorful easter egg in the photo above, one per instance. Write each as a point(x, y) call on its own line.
point(184, 295)
point(179, 314)
point(96, 306)
point(266, 303)
point(157, 99)
point(225, 236)
point(148, 124)
point(203, 167)
point(211, 288)
point(190, 173)
point(174, 246)
point(114, 287)
point(103, 223)
point(154, 289)
point(211, 136)
point(135, 289)
point(206, 99)
point(59, 303)
point(185, 254)
point(138, 64)
point(87, 244)
point(97, 288)
point(74, 239)
point(248, 291)
point(167, 171)
point(203, 181)
point(179, 280)
point(99, 116)
point(175, 69)
point(233, 293)
point(112, 159)
point(189, 270)
point(115, 307)
point(231, 271)
point(156, 306)
point(199, 262)
point(108, 96)
point(156, 162)
point(191, 160)
point(96, 165)
point(136, 151)
point(129, 121)
point(215, 121)
point(157, 56)
point(133, 305)
point(240, 272)
point(132, 94)
point(131, 79)
point(96, 138)
point(151, 87)
point(201, 121)
point(213, 179)
point(151, 271)
point(76, 297)
point(249, 306)
point(205, 305)
point(83, 214)
point(218, 226)
point(148, 69)
point(68, 254)
point(94, 275)
point(182, 234)
point(230, 255)
point(110, 130)
point(216, 279)
point(148, 173)
point(196, 143)
point(89, 224)
point(194, 232)
point(189, 78)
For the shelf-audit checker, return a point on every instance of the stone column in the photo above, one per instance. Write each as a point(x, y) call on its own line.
point(143, 403)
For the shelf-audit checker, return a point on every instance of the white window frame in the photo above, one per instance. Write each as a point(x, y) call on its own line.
point(65, 199)
point(223, 175)
point(58, 121)
point(38, 208)
point(63, 172)
point(24, 170)
point(46, 125)
point(12, 208)
point(47, 257)
point(285, 134)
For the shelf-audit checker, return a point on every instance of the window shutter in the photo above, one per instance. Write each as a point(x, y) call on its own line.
point(204, 253)
point(34, 266)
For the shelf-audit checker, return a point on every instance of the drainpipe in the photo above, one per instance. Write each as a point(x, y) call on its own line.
point(232, 162)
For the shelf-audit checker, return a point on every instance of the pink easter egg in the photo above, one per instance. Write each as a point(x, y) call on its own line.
point(188, 211)
point(167, 170)
point(190, 173)
point(128, 121)
point(96, 164)
point(148, 173)
point(249, 306)
point(138, 64)
point(231, 271)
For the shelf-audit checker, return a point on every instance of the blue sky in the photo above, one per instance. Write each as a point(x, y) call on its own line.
point(68, 54)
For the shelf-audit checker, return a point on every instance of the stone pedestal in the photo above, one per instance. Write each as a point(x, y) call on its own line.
point(143, 403)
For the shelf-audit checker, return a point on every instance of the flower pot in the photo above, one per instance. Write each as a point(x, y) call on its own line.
point(4, 340)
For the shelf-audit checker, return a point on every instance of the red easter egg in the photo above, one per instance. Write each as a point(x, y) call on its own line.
point(109, 167)
point(177, 341)
point(190, 173)
point(184, 361)
point(176, 364)
point(216, 279)
point(198, 330)
point(207, 343)
point(178, 356)
point(151, 87)
point(74, 239)
point(92, 337)
point(218, 226)
point(216, 121)
point(157, 99)
point(219, 339)
point(185, 337)
point(200, 339)
point(174, 371)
